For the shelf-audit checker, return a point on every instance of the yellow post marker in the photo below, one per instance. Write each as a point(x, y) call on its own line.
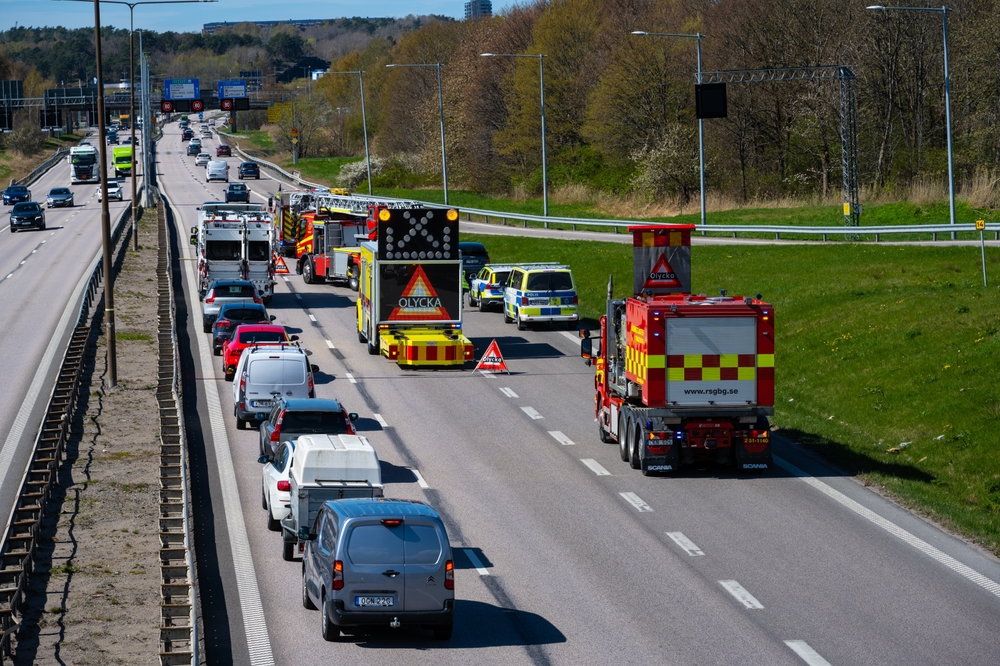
point(981, 228)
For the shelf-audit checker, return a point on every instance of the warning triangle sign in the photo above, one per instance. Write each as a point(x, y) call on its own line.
point(492, 360)
point(662, 276)
point(280, 268)
point(419, 302)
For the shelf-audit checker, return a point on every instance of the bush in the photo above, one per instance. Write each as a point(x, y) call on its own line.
point(355, 173)
point(26, 138)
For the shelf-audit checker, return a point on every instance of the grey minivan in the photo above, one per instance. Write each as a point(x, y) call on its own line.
point(379, 562)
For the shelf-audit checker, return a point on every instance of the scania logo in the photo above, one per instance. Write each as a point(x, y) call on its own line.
point(660, 468)
point(419, 302)
point(754, 466)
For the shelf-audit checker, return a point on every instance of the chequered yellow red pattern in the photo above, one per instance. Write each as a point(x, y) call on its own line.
point(717, 367)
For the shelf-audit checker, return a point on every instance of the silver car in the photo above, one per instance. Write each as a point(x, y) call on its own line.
point(379, 562)
point(114, 191)
point(222, 292)
point(59, 196)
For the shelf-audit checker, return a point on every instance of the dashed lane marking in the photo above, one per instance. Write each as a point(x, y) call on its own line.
point(685, 543)
point(561, 438)
point(312, 318)
point(350, 378)
point(637, 502)
point(574, 338)
point(298, 296)
point(595, 467)
point(476, 562)
point(530, 411)
point(285, 278)
point(806, 653)
point(893, 529)
point(509, 392)
point(381, 421)
point(329, 344)
point(420, 479)
point(741, 595)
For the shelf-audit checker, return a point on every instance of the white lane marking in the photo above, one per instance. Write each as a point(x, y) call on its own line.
point(476, 562)
point(298, 296)
point(381, 421)
point(636, 501)
point(561, 438)
point(420, 479)
point(508, 392)
point(685, 543)
point(34, 251)
point(329, 344)
point(574, 338)
point(530, 411)
point(9, 276)
point(807, 654)
point(893, 529)
point(254, 623)
point(312, 318)
point(488, 374)
point(285, 278)
point(596, 468)
point(741, 595)
point(350, 378)
point(23, 262)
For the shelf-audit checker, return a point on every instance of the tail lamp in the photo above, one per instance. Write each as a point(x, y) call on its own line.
point(338, 575)
point(524, 300)
point(211, 298)
point(225, 323)
point(284, 486)
point(449, 575)
point(276, 433)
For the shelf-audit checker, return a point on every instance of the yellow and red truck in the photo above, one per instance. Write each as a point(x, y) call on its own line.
point(409, 303)
point(682, 378)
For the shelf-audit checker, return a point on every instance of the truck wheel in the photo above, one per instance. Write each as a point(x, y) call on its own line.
point(623, 425)
point(306, 601)
point(330, 631)
point(287, 550)
point(633, 451)
point(353, 281)
point(603, 434)
point(373, 346)
point(307, 272)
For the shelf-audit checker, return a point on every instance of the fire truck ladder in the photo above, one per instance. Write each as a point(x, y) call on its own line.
point(848, 117)
point(301, 201)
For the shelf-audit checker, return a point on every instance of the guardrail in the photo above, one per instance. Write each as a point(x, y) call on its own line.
point(20, 538)
point(60, 153)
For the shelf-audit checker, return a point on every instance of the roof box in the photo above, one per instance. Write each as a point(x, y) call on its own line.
point(335, 458)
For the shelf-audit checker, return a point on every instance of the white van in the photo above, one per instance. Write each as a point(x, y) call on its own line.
point(266, 373)
point(217, 170)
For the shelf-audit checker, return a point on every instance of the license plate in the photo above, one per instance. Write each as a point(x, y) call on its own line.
point(380, 602)
point(539, 301)
point(261, 403)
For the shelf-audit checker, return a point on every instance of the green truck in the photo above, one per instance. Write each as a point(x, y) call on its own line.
point(123, 160)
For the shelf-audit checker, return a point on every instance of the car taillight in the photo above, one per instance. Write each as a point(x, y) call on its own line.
point(257, 299)
point(211, 297)
point(225, 323)
point(338, 575)
point(575, 300)
point(276, 433)
point(524, 300)
point(449, 575)
point(284, 486)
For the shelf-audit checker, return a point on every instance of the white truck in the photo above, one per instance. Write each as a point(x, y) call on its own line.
point(83, 165)
point(324, 468)
point(235, 242)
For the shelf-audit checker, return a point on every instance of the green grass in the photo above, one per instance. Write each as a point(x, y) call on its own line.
point(876, 347)
point(253, 139)
point(322, 170)
point(131, 335)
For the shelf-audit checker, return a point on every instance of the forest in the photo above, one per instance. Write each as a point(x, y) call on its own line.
point(619, 108)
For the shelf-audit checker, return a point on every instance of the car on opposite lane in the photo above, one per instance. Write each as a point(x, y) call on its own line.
point(232, 315)
point(222, 150)
point(249, 170)
point(16, 194)
point(246, 335)
point(222, 292)
point(114, 191)
point(27, 215)
point(237, 192)
point(202, 159)
point(474, 257)
point(59, 196)
point(307, 416)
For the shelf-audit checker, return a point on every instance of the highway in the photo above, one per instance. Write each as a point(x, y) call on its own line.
point(565, 555)
point(42, 275)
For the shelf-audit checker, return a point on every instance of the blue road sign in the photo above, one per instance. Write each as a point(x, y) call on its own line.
point(232, 89)
point(174, 89)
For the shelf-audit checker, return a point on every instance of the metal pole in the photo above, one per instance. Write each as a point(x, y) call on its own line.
point(545, 179)
point(444, 156)
point(109, 294)
point(131, 120)
point(982, 243)
point(701, 142)
point(947, 112)
point(295, 139)
point(364, 126)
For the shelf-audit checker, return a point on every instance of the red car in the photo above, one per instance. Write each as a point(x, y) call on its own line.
point(246, 335)
point(223, 151)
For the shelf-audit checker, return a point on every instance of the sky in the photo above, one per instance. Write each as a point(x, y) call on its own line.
point(190, 17)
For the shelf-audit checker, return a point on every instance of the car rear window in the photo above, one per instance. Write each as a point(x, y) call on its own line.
point(309, 423)
point(250, 337)
point(423, 545)
point(234, 291)
point(554, 281)
point(243, 314)
point(237, 187)
point(500, 277)
point(376, 544)
point(277, 371)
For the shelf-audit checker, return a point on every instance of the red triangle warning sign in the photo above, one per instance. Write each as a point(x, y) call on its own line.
point(280, 268)
point(662, 276)
point(492, 360)
point(419, 302)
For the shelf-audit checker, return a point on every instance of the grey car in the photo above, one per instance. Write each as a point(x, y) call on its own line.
point(222, 292)
point(59, 196)
point(379, 562)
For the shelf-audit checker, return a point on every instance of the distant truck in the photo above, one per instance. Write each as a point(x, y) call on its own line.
point(123, 160)
point(83, 165)
point(235, 242)
point(326, 467)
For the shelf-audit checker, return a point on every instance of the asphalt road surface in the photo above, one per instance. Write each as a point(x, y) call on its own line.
point(564, 554)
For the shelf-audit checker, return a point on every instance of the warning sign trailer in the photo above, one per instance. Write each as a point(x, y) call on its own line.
point(409, 304)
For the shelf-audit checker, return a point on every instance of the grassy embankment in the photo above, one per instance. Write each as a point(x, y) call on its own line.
point(15, 166)
point(886, 357)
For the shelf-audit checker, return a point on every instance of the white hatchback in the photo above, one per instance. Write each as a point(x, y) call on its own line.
point(275, 486)
point(202, 159)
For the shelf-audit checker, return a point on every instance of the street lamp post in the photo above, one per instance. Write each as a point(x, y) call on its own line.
point(364, 123)
point(444, 157)
point(131, 86)
point(947, 95)
point(701, 121)
point(541, 86)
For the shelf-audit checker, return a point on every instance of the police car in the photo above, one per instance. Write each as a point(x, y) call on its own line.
point(544, 292)
point(488, 285)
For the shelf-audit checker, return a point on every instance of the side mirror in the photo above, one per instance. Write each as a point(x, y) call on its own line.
point(293, 338)
point(584, 333)
point(314, 367)
point(272, 317)
point(194, 231)
point(353, 416)
point(264, 459)
point(304, 534)
point(587, 350)
point(194, 239)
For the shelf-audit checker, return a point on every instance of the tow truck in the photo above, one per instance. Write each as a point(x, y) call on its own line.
point(235, 241)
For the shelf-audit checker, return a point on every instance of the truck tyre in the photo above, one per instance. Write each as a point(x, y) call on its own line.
point(623, 427)
point(308, 273)
point(288, 550)
point(633, 451)
point(306, 601)
point(603, 434)
point(352, 278)
point(330, 631)
point(373, 345)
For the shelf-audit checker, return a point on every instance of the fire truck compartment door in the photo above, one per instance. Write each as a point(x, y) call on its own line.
point(712, 360)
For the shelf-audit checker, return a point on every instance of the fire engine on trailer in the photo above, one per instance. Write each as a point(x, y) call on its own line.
point(682, 378)
point(410, 301)
point(235, 242)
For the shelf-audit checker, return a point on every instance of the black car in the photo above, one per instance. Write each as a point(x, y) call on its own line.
point(27, 214)
point(474, 257)
point(187, 135)
point(305, 416)
point(249, 170)
point(193, 150)
point(237, 192)
point(16, 194)
point(232, 315)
